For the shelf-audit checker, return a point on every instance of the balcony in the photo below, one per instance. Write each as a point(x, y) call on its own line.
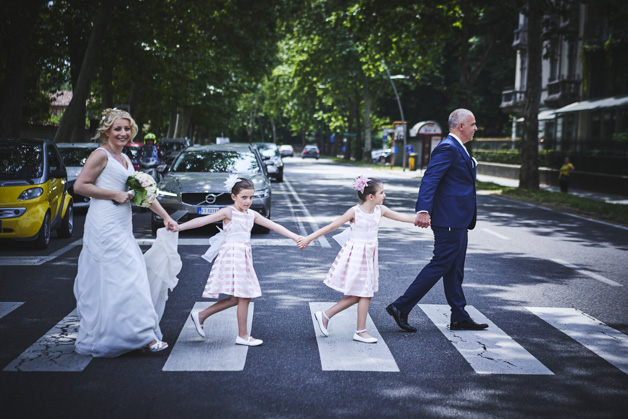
point(512, 101)
point(521, 38)
point(562, 92)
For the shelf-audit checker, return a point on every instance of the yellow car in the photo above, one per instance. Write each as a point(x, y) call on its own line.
point(34, 197)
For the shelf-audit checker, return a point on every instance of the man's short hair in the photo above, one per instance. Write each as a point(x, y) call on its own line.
point(458, 115)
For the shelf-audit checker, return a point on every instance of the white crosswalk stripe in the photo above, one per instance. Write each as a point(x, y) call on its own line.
point(339, 352)
point(7, 307)
point(215, 352)
point(54, 351)
point(489, 351)
point(596, 336)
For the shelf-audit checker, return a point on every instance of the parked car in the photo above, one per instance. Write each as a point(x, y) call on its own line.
point(74, 156)
point(311, 151)
point(171, 147)
point(194, 185)
point(271, 159)
point(286, 150)
point(381, 156)
point(34, 197)
point(134, 151)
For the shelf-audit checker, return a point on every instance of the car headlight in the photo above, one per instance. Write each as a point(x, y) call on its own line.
point(31, 193)
point(262, 193)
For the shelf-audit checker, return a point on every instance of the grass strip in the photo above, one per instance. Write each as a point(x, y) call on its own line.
point(604, 211)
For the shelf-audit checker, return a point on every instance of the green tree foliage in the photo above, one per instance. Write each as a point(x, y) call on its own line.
point(269, 69)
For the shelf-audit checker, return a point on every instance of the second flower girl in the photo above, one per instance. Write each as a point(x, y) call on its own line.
point(355, 271)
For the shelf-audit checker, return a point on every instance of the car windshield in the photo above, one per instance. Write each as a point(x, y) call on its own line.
point(268, 150)
point(23, 161)
point(215, 161)
point(75, 156)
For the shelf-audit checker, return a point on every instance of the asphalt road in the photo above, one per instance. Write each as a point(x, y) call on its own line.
point(553, 288)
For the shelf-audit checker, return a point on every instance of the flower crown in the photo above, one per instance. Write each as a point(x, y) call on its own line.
point(231, 181)
point(360, 183)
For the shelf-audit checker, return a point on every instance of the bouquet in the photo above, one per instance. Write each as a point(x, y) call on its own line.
point(144, 188)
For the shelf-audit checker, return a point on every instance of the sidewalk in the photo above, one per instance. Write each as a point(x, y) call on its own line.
point(610, 198)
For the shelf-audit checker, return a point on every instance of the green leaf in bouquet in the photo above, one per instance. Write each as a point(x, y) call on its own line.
point(140, 194)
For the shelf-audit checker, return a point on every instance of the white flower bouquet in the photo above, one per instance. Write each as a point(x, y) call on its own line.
point(144, 188)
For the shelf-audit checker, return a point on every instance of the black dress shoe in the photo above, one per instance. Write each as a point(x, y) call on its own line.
point(400, 318)
point(467, 324)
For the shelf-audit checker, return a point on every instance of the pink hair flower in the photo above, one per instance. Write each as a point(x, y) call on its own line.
point(360, 183)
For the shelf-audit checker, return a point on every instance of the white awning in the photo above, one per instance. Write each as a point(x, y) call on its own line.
point(543, 115)
point(587, 105)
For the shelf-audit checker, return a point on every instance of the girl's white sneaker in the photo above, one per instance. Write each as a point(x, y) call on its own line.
point(319, 319)
point(251, 341)
point(359, 338)
point(197, 323)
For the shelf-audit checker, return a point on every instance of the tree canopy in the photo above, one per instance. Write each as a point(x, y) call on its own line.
point(272, 70)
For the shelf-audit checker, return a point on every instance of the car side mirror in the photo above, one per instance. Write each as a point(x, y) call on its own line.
point(59, 174)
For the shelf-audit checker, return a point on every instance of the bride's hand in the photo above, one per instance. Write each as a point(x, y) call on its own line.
point(122, 197)
point(171, 225)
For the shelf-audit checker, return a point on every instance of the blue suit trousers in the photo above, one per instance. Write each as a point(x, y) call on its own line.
point(450, 249)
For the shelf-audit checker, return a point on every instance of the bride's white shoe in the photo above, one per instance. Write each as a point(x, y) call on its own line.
point(157, 346)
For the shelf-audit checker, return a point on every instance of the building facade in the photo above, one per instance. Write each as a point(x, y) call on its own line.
point(584, 101)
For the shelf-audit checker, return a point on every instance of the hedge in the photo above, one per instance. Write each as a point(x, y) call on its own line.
point(583, 162)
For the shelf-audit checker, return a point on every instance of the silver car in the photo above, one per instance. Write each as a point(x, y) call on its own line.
point(272, 160)
point(74, 157)
point(194, 184)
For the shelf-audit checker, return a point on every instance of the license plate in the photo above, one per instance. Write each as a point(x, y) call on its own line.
point(206, 211)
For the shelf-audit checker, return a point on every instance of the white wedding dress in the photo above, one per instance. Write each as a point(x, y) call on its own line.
point(112, 290)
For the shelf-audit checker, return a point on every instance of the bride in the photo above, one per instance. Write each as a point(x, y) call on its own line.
point(112, 290)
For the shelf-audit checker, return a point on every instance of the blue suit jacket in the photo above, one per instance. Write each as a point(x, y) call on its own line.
point(447, 191)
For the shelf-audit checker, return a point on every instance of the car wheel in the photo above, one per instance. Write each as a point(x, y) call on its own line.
point(43, 237)
point(260, 230)
point(67, 224)
point(280, 176)
point(155, 225)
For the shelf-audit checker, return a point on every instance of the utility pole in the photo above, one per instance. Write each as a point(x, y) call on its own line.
point(403, 119)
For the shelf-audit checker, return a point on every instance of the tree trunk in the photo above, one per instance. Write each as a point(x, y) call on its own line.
point(529, 172)
point(274, 129)
point(74, 116)
point(107, 84)
point(347, 155)
point(19, 26)
point(368, 143)
point(358, 130)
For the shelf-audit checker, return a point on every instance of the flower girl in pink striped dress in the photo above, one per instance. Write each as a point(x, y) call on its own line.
point(355, 271)
point(232, 273)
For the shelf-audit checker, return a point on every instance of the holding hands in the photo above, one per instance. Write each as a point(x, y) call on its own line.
point(423, 219)
point(303, 242)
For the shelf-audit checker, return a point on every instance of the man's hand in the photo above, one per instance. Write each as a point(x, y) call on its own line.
point(423, 219)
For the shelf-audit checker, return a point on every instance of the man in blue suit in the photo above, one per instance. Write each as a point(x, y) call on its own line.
point(446, 203)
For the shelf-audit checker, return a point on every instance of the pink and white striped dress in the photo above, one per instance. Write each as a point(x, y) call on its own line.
point(355, 271)
point(232, 272)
